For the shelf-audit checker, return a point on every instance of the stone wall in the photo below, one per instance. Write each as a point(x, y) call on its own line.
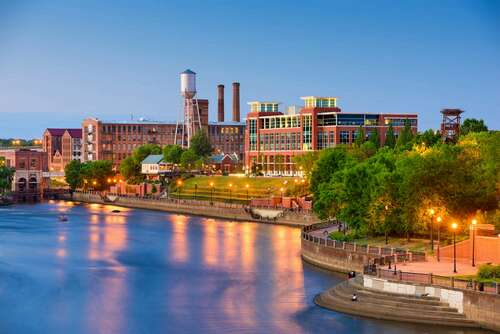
point(334, 258)
point(483, 308)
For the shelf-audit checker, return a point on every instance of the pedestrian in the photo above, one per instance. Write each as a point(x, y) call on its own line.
point(354, 298)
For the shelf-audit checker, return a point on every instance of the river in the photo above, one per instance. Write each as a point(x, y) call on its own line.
point(140, 271)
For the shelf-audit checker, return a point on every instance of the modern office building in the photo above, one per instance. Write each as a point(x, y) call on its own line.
point(274, 138)
point(62, 146)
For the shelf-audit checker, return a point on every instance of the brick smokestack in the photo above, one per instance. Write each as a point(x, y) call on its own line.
point(220, 103)
point(236, 101)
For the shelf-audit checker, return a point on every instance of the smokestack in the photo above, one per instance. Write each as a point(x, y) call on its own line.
point(236, 101)
point(220, 103)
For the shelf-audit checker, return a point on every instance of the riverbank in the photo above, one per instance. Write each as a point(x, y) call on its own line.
point(198, 208)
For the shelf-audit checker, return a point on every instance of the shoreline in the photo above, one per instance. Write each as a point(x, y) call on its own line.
point(235, 214)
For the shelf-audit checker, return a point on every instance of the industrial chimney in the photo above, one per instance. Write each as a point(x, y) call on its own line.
point(220, 103)
point(236, 101)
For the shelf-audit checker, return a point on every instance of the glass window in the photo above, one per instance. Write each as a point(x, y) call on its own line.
point(344, 137)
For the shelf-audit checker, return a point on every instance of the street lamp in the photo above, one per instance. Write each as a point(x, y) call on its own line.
point(431, 213)
point(230, 193)
point(247, 186)
point(282, 190)
point(195, 190)
point(454, 229)
point(474, 222)
point(439, 219)
point(179, 184)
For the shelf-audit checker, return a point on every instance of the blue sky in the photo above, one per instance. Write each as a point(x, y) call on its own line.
point(62, 61)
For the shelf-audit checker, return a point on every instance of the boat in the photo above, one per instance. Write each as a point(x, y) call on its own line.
point(116, 211)
point(63, 218)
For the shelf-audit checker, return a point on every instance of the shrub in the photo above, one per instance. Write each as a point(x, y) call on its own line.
point(488, 271)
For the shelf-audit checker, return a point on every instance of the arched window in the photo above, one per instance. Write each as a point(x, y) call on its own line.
point(21, 184)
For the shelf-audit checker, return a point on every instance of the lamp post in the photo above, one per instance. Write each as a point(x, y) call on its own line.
point(211, 193)
point(230, 193)
point(179, 184)
point(474, 222)
point(454, 229)
point(439, 237)
point(431, 213)
point(195, 190)
point(282, 190)
point(247, 186)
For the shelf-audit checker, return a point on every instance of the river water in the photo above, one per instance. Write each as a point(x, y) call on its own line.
point(140, 271)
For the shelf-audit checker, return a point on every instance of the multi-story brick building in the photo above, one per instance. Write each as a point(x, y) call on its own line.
point(273, 138)
point(114, 141)
point(29, 166)
point(62, 146)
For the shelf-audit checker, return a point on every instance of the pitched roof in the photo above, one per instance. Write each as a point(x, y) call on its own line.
point(188, 71)
point(153, 159)
point(75, 133)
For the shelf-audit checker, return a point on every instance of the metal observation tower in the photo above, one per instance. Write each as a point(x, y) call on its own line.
point(189, 118)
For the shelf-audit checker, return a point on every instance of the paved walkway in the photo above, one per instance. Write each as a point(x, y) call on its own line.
point(443, 268)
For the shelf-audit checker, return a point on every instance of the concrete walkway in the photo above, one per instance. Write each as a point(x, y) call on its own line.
point(443, 268)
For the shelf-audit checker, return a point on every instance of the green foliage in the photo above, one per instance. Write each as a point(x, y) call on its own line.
point(130, 167)
point(405, 138)
point(189, 158)
point(390, 138)
point(154, 190)
point(306, 162)
point(73, 174)
point(172, 153)
point(6, 174)
point(200, 144)
point(428, 138)
point(374, 138)
point(345, 237)
point(360, 137)
point(472, 125)
point(389, 190)
point(96, 173)
point(488, 271)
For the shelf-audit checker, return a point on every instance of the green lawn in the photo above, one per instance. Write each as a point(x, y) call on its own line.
point(233, 187)
point(416, 245)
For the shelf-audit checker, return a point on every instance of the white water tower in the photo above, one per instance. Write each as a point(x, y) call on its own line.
point(189, 121)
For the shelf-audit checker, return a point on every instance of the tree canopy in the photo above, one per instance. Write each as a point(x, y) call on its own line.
point(172, 153)
point(130, 167)
point(200, 144)
point(472, 125)
point(89, 175)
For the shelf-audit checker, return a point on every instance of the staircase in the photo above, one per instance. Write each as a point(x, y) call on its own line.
point(390, 306)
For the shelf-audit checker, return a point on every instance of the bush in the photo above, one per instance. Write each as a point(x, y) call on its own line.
point(348, 237)
point(488, 271)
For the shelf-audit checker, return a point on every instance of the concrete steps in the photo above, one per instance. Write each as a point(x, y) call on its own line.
point(390, 306)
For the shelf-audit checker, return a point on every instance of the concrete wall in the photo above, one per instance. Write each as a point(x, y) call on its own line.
point(333, 258)
point(483, 308)
point(487, 249)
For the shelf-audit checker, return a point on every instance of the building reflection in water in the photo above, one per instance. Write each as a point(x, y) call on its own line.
point(179, 243)
point(210, 242)
point(107, 237)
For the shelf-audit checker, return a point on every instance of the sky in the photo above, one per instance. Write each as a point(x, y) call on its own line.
point(63, 61)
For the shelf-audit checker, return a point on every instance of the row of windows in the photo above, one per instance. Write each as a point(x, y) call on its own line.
point(325, 139)
point(280, 122)
point(280, 141)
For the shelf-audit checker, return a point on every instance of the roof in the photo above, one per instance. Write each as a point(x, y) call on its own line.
point(153, 159)
point(75, 133)
point(188, 71)
point(319, 97)
point(233, 123)
point(217, 158)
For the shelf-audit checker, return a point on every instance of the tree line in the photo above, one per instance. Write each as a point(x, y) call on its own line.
point(390, 190)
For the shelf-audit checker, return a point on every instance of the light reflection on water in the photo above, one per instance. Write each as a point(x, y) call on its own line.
point(138, 271)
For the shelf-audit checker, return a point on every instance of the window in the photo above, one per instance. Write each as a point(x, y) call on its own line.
point(344, 137)
point(331, 141)
point(253, 134)
point(306, 132)
point(322, 140)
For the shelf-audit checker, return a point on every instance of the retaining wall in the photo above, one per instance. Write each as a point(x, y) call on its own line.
point(483, 308)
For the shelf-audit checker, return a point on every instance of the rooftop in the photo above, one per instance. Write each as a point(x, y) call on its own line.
point(153, 159)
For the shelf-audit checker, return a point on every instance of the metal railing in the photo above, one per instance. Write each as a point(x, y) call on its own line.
point(432, 279)
point(383, 255)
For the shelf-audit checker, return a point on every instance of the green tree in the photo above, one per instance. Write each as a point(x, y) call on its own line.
point(130, 167)
point(172, 153)
point(6, 175)
point(360, 137)
point(200, 144)
point(96, 173)
point(189, 158)
point(305, 162)
point(390, 138)
point(375, 138)
point(472, 125)
point(428, 138)
point(73, 174)
point(405, 138)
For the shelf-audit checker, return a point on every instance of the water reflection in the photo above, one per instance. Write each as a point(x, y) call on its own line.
point(137, 271)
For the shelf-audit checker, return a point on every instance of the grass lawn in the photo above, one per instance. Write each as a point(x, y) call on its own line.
point(416, 245)
point(258, 187)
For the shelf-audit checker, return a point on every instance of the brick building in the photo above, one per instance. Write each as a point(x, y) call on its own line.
point(228, 137)
point(62, 146)
point(30, 166)
point(273, 138)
